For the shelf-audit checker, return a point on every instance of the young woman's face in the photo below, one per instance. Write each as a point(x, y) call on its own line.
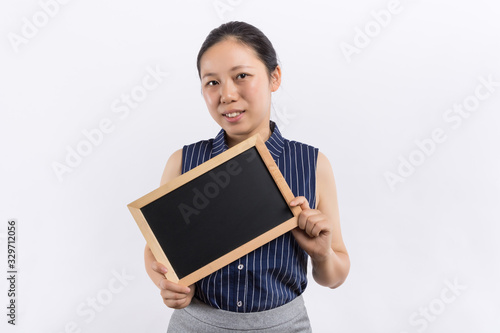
point(237, 88)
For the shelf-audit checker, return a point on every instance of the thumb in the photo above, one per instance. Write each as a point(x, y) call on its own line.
point(300, 235)
point(300, 201)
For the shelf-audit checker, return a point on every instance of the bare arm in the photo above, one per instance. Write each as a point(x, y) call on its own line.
point(174, 295)
point(319, 231)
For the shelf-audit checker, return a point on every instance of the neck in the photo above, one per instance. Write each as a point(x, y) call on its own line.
point(264, 131)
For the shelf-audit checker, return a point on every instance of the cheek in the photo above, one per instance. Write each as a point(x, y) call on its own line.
point(210, 99)
point(258, 92)
point(254, 91)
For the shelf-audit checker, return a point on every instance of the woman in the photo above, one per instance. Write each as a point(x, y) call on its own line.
point(238, 70)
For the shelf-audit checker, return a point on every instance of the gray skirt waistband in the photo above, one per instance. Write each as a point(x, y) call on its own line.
point(200, 317)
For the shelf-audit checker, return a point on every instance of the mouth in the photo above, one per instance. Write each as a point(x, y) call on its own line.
point(232, 114)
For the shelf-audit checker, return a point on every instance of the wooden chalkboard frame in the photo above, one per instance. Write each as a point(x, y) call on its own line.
point(254, 141)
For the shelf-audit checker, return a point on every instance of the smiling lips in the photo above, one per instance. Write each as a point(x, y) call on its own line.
point(233, 115)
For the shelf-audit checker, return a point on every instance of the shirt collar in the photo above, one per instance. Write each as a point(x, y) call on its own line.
point(274, 144)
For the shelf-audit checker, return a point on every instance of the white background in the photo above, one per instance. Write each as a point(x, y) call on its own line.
point(407, 244)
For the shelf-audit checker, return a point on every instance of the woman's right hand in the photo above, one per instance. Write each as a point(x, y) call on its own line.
point(174, 295)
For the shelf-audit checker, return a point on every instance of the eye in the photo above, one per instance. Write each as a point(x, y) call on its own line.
point(242, 75)
point(212, 83)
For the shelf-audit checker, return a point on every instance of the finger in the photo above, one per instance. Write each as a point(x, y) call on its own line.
point(169, 285)
point(305, 215)
point(321, 228)
point(300, 201)
point(309, 226)
point(159, 267)
point(170, 295)
point(298, 233)
point(314, 225)
point(159, 282)
point(300, 236)
point(175, 304)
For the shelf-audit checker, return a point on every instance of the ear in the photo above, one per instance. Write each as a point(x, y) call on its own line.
point(276, 79)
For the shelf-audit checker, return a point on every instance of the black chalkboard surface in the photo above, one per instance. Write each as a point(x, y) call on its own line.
point(216, 212)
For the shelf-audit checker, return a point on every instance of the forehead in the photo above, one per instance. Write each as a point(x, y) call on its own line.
point(228, 54)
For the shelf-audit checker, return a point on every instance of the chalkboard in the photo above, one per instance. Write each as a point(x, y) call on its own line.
point(217, 212)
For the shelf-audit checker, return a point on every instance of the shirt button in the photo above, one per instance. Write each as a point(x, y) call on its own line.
point(240, 267)
point(240, 303)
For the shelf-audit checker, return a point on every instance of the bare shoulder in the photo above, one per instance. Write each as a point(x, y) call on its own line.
point(324, 165)
point(327, 201)
point(324, 178)
point(173, 168)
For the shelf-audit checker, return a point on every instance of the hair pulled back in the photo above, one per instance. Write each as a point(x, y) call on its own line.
point(246, 34)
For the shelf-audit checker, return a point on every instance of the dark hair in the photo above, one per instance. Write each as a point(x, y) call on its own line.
point(246, 34)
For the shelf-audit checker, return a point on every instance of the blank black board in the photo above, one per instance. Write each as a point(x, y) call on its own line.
point(216, 212)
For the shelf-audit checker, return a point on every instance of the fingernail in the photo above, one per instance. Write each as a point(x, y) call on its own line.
point(164, 269)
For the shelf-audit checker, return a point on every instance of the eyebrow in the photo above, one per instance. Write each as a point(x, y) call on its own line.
point(231, 70)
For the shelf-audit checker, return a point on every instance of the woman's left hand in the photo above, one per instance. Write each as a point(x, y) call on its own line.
point(314, 233)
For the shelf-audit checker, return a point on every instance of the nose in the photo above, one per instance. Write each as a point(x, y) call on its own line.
point(228, 92)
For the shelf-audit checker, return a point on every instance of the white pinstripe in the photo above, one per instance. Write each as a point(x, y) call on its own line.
point(275, 281)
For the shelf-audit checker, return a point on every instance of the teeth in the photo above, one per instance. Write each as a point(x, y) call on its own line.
point(232, 115)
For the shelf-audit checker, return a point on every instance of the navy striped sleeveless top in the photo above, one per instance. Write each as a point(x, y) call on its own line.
point(275, 273)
